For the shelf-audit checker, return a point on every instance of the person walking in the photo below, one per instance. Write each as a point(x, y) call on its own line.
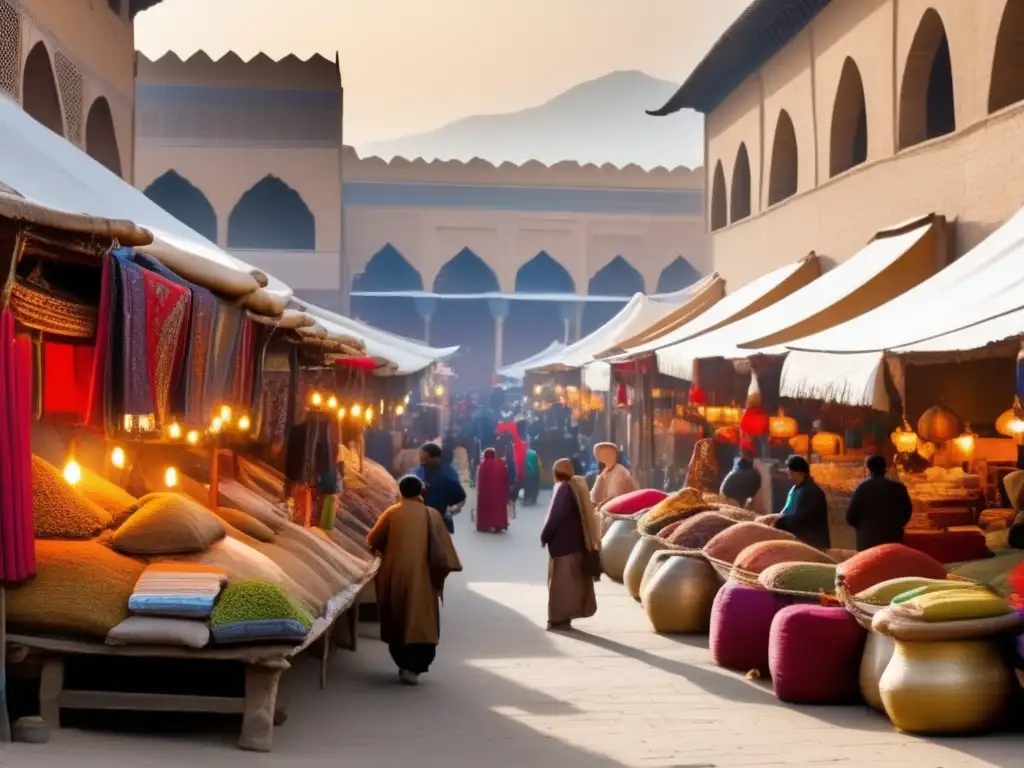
point(417, 555)
point(880, 508)
point(531, 478)
point(805, 514)
point(492, 489)
point(444, 491)
point(572, 536)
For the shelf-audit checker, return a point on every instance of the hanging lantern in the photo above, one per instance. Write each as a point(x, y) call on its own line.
point(827, 444)
point(1010, 422)
point(904, 438)
point(939, 424)
point(621, 396)
point(244, 423)
point(332, 403)
point(782, 426)
point(754, 421)
point(713, 413)
point(800, 444)
point(965, 444)
point(697, 396)
point(117, 457)
point(192, 438)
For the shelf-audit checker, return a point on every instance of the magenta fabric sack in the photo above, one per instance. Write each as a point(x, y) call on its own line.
point(814, 655)
point(741, 622)
point(633, 502)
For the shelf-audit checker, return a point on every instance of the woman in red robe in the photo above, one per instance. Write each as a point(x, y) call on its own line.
point(492, 488)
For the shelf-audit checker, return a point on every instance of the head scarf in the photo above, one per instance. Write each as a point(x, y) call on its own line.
point(563, 468)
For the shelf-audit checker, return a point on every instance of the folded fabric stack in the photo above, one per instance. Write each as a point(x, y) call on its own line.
point(172, 603)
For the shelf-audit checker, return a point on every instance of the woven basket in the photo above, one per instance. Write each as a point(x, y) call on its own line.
point(43, 309)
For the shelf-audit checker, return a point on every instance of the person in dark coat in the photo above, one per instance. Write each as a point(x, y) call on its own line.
point(879, 509)
point(444, 491)
point(743, 482)
point(806, 512)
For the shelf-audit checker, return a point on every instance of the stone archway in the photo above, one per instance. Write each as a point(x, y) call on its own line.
point(100, 137)
point(927, 100)
point(678, 275)
point(783, 179)
point(719, 212)
point(389, 270)
point(39, 95)
point(532, 325)
point(1007, 86)
point(272, 216)
point(740, 201)
point(848, 146)
point(185, 202)
point(617, 278)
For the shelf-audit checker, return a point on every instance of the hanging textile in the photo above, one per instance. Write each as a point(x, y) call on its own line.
point(96, 409)
point(224, 352)
point(65, 375)
point(17, 533)
point(167, 312)
point(133, 394)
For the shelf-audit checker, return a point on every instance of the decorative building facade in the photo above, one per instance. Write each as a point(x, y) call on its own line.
point(828, 121)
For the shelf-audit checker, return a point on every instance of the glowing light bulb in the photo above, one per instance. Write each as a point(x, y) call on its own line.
point(369, 415)
point(72, 472)
point(117, 457)
point(439, 390)
point(192, 437)
point(399, 410)
point(225, 414)
point(244, 423)
point(357, 411)
point(174, 431)
point(342, 413)
point(537, 389)
point(316, 399)
point(170, 477)
point(407, 399)
point(216, 425)
point(332, 403)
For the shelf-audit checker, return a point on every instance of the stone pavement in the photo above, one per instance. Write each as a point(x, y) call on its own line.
point(506, 693)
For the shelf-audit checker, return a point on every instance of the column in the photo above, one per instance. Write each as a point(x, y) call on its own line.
point(426, 306)
point(579, 320)
point(499, 311)
point(567, 311)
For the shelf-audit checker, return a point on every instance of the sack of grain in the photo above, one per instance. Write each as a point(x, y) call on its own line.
point(757, 557)
point(723, 549)
point(698, 530)
point(254, 611)
point(884, 562)
point(799, 579)
point(168, 524)
point(964, 604)
point(674, 507)
point(245, 522)
point(631, 503)
point(118, 503)
point(59, 511)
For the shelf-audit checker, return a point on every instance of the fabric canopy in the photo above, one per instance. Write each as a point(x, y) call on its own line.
point(752, 297)
point(408, 355)
point(894, 261)
point(974, 303)
point(518, 370)
point(45, 169)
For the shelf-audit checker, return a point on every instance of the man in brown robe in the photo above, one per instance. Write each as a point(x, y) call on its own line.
point(417, 554)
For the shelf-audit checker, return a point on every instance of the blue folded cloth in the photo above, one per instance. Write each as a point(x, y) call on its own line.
point(261, 630)
point(184, 606)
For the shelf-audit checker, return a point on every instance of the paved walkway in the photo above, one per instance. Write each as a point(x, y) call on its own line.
point(506, 693)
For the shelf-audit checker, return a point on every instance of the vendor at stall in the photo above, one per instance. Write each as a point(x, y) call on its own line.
point(614, 479)
point(880, 508)
point(806, 512)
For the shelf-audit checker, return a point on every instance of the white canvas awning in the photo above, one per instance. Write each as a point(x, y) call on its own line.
point(894, 261)
point(44, 168)
point(410, 356)
point(518, 370)
point(973, 304)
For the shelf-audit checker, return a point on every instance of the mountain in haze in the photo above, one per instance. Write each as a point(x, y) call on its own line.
point(599, 121)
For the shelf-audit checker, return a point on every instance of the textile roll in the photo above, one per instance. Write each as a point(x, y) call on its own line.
point(945, 688)
point(679, 596)
point(616, 547)
point(636, 565)
point(814, 654)
point(878, 650)
point(741, 623)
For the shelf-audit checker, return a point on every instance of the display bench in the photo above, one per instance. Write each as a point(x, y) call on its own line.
point(262, 666)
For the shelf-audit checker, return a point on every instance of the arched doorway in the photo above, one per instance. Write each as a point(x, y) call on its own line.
point(927, 103)
point(466, 322)
point(389, 270)
point(719, 213)
point(1007, 85)
point(185, 202)
point(100, 138)
point(849, 142)
point(677, 275)
point(783, 178)
point(617, 278)
point(39, 95)
point(739, 204)
point(532, 325)
point(272, 216)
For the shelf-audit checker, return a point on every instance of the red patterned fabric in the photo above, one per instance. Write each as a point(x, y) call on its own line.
point(814, 655)
point(67, 378)
point(167, 311)
point(635, 501)
point(741, 623)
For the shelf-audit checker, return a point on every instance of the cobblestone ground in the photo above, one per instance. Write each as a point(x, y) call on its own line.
point(506, 693)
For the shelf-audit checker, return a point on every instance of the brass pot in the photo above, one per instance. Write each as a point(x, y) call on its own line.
point(656, 562)
point(636, 565)
point(608, 520)
point(616, 547)
point(948, 687)
point(678, 596)
point(878, 651)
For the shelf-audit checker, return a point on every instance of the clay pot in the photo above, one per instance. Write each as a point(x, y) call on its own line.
point(946, 688)
point(616, 547)
point(679, 595)
point(636, 565)
point(657, 561)
point(878, 650)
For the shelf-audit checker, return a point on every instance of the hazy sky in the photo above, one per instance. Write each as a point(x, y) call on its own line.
point(413, 65)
